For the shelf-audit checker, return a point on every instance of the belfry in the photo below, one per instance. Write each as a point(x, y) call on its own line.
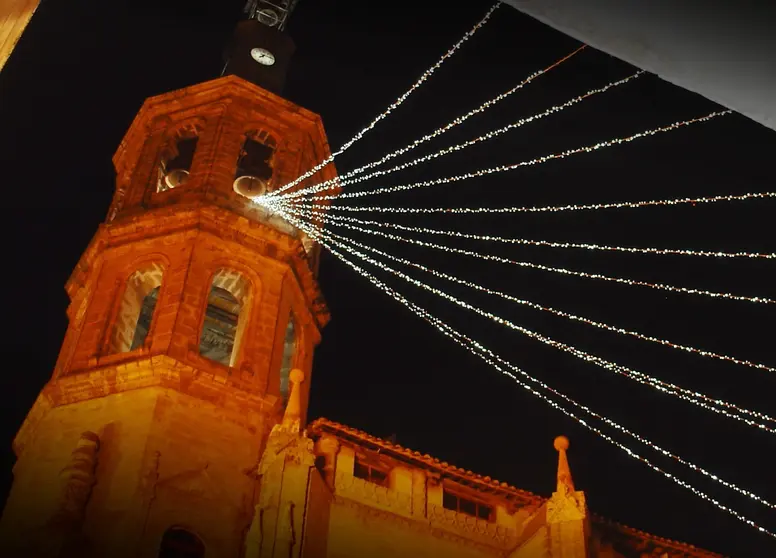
point(174, 424)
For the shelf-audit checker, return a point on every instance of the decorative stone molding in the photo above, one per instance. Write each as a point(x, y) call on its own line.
point(418, 526)
point(569, 506)
point(285, 441)
point(376, 495)
point(79, 478)
point(471, 527)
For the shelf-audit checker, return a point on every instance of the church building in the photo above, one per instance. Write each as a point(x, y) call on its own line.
point(174, 424)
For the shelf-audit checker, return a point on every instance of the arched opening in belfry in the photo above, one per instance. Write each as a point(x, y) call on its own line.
point(176, 159)
point(254, 165)
point(224, 320)
point(180, 543)
point(136, 309)
point(287, 360)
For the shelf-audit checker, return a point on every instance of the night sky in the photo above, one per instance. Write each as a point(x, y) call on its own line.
point(79, 75)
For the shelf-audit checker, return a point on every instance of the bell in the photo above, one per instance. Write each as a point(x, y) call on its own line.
point(250, 186)
point(176, 177)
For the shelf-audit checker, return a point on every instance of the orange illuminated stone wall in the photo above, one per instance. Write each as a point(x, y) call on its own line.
point(14, 17)
point(121, 446)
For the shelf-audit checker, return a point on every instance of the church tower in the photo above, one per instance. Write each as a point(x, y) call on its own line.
point(189, 310)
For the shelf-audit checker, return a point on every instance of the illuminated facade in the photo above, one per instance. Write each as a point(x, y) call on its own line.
point(174, 424)
point(14, 17)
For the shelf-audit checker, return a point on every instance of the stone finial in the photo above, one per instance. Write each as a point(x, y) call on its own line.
point(565, 484)
point(293, 412)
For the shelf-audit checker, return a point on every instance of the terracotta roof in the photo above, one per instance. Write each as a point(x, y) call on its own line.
point(321, 425)
point(694, 551)
point(426, 461)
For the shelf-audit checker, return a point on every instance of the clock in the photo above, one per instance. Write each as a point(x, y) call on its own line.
point(263, 56)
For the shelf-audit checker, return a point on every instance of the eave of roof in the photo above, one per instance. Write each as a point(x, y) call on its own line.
point(426, 461)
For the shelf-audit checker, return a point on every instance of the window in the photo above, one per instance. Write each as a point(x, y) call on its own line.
point(370, 473)
point(144, 320)
point(175, 164)
point(254, 166)
point(136, 309)
point(287, 362)
point(222, 324)
point(179, 543)
point(452, 501)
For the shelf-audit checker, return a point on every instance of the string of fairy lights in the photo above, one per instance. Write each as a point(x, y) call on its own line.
point(539, 267)
point(491, 358)
point(393, 106)
point(318, 210)
point(545, 243)
point(346, 178)
point(402, 210)
point(531, 162)
point(716, 405)
point(567, 315)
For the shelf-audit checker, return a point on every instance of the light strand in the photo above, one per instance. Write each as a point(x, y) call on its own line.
point(347, 177)
point(427, 74)
point(447, 330)
point(569, 316)
point(531, 162)
point(693, 397)
point(540, 267)
point(548, 209)
point(545, 243)
point(485, 353)
point(660, 385)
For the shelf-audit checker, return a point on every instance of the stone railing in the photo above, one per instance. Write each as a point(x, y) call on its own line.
point(373, 494)
point(472, 528)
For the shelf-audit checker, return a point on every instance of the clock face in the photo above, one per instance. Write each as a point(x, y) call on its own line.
point(263, 56)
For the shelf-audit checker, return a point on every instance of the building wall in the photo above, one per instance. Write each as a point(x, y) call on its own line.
point(358, 530)
point(164, 459)
point(407, 517)
point(14, 17)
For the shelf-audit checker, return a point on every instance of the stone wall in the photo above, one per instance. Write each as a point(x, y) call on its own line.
point(14, 17)
point(161, 463)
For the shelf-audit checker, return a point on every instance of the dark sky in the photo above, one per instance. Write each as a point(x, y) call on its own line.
point(78, 77)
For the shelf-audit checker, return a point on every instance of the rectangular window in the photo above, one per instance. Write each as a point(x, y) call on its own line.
point(460, 504)
point(370, 473)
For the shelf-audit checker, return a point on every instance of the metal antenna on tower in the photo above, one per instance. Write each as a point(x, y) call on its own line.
point(272, 14)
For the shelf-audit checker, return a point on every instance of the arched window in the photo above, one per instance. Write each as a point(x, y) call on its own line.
point(180, 543)
point(136, 309)
point(176, 160)
point(223, 323)
point(287, 361)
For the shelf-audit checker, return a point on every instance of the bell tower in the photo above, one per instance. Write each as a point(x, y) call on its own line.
point(189, 309)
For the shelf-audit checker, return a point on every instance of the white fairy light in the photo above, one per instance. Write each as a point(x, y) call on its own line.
point(346, 178)
point(665, 387)
point(485, 353)
point(396, 103)
point(566, 315)
point(546, 209)
point(447, 330)
point(531, 162)
point(696, 398)
point(540, 267)
point(545, 243)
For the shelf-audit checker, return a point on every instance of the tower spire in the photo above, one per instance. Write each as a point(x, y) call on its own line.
point(565, 483)
point(293, 411)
